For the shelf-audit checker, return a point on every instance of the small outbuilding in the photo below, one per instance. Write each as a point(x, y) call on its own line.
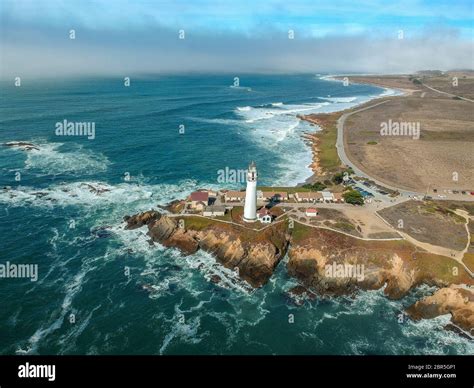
point(264, 215)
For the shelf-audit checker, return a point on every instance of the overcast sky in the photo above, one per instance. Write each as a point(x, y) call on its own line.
point(127, 38)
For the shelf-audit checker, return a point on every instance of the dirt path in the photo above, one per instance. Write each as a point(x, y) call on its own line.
point(438, 250)
point(466, 216)
point(340, 231)
point(447, 94)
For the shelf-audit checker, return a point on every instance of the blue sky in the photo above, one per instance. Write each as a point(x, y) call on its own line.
point(32, 30)
point(311, 17)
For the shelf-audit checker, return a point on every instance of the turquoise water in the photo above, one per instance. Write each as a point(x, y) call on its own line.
point(166, 304)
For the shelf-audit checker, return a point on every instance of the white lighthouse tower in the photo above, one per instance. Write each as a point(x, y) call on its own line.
point(250, 209)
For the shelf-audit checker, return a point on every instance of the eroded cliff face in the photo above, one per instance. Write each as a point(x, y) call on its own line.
point(455, 300)
point(254, 254)
point(332, 263)
point(343, 272)
point(319, 260)
point(325, 262)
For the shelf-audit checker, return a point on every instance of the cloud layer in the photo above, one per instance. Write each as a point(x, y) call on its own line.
point(139, 44)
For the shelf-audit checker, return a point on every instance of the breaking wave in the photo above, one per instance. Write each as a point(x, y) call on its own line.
point(52, 159)
point(95, 194)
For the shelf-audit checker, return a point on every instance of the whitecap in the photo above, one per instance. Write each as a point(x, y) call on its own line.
point(95, 194)
point(183, 331)
point(51, 159)
point(340, 99)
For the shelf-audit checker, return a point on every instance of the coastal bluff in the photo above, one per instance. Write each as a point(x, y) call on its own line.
point(319, 259)
point(455, 300)
point(253, 254)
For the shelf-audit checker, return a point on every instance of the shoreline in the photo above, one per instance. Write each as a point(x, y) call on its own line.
point(257, 253)
point(312, 139)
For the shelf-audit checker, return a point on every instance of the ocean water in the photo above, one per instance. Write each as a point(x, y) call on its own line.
point(85, 302)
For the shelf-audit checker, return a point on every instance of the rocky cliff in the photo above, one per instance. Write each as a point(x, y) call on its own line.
point(254, 254)
point(333, 263)
point(325, 262)
point(454, 300)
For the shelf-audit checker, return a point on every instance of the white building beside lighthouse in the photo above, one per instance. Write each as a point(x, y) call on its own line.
point(250, 208)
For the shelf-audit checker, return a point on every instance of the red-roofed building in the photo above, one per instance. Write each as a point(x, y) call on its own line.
point(199, 200)
point(202, 196)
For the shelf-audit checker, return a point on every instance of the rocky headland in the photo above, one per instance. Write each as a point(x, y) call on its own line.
point(325, 262)
point(455, 300)
point(255, 255)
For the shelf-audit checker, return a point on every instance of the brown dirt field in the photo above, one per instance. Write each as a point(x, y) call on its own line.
point(335, 219)
point(428, 222)
point(445, 145)
point(453, 205)
point(470, 249)
point(469, 260)
point(465, 87)
point(357, 221)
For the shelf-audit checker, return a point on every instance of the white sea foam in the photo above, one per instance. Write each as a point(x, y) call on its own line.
point(328, 78)
point(390, 92)
point(96, 194)
point(214, 121)
point(275, 127)
point(136, 241)
point(71, 289)
point(253, 114)
point(50, 159)
point(369, 303)
point(186, 332)
point(67, 340)
point(340, 99)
